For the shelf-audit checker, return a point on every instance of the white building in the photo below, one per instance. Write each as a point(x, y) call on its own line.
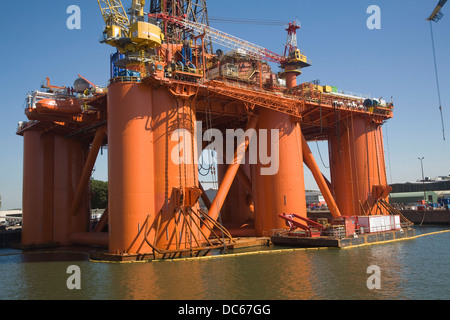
point(313, 196)
point(10, 217)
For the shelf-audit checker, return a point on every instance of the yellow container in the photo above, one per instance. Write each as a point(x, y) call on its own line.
point(327, 89)
point(113, 31)
point(146, 33)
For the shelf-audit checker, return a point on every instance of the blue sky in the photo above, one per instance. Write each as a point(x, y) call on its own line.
point(394, 61)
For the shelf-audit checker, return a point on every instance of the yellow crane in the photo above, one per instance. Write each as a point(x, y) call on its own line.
point(437, 14)
point(137, 10)
point(115, 18)
point(128, 34)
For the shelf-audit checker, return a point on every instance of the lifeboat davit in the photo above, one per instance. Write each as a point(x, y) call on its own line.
point(52, 106)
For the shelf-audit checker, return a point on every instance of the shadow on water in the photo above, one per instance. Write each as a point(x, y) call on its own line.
point(57, 254)
point(412, 269)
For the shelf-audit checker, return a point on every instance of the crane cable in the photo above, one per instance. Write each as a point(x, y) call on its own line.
point(265, 22)
point(320, 155)
point(213, 169)
point(437, 80)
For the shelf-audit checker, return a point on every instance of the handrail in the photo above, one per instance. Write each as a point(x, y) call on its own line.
point(124, 79)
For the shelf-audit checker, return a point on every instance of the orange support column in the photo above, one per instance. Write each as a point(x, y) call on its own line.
point(37, 200)
point(358, 170)
point(284, 191)
point(69, 160)
point(376, 180)
point(291, 80)
point(175, 167)
point(130, 166)
point(342, 170)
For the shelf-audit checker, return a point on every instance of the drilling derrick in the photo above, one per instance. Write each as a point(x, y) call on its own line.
point(296, 60)
point(193, 10)
point(169, 99)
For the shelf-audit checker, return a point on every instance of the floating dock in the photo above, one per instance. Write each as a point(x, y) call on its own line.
point(331, 242)
point(218, 249)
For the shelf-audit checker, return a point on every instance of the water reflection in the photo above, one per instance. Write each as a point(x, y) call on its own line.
point(414, 269)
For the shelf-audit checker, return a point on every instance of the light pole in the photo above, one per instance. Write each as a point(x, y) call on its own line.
point(423, 182)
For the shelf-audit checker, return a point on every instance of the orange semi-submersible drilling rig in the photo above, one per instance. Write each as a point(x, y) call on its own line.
point(169, 94)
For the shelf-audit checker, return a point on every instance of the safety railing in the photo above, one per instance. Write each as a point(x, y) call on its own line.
point(124, 79)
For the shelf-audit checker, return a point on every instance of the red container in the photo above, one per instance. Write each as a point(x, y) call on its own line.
point(350, 225)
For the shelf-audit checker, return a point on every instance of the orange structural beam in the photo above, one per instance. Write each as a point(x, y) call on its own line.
point(265, 99)
point(204, 196)
point(243, 178)
point(87, 171)
point(232, 170)
point(102, 222)
point(309, 160)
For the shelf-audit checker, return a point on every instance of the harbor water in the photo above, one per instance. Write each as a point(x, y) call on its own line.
point(408, 270)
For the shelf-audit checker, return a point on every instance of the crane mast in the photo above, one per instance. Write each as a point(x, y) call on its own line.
point(136, 11)
point(128, 34)
point(115, 17)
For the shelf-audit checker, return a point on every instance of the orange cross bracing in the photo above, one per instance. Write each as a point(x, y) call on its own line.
point(314, 109)
point(257, 97)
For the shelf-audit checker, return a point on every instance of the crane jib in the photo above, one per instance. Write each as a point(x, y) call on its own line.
point(223, 38)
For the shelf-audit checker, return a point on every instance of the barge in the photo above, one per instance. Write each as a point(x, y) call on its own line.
point(342, 232)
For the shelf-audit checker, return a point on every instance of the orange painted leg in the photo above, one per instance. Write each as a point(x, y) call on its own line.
point(283, 192)
point(37, 188)
point(130, 165)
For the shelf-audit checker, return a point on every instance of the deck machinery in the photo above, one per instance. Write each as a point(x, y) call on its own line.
point(168, 92)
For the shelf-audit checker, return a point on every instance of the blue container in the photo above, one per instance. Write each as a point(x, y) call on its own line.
point(129, 73)
point(114, 69)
